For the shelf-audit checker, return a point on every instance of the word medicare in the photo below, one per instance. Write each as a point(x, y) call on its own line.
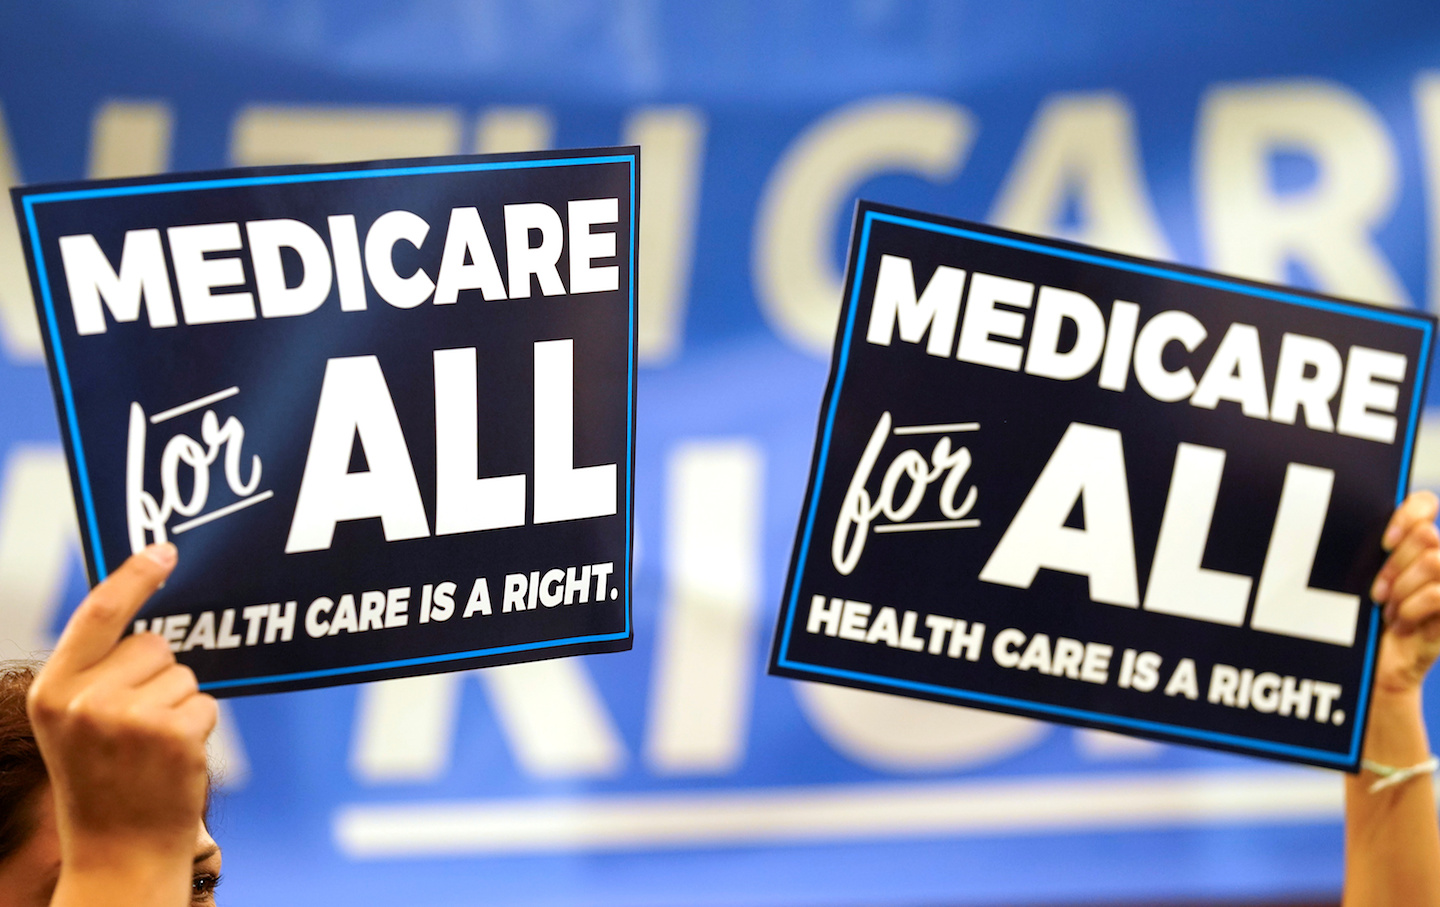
point(535, 238)
point(1309, 372)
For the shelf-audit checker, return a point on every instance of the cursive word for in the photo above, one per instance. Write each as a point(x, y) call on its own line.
point(859, 510)
point(184, 456)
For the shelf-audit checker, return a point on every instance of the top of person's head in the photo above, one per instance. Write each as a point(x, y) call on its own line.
point(22, 770)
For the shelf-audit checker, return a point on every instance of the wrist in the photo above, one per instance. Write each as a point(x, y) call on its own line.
point(1399, 683)
point(1405, 699)
point(127, 852)
point(1395, 734)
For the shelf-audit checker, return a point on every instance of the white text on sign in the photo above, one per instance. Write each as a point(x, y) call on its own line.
point(356, 406)
point(1088, 469)
point(205, 258)
point(1309, 374)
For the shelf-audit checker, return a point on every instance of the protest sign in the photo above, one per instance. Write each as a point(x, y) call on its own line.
point(1085, 487)
point(385, 410)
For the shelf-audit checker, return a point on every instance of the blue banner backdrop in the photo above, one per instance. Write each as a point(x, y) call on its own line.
point(1295, 142)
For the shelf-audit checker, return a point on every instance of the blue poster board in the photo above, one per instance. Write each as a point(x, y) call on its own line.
point(1018, 432)
point(359, 513)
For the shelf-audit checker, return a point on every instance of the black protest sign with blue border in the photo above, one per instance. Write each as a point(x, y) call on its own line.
point(1084, 487)
point(385, 410)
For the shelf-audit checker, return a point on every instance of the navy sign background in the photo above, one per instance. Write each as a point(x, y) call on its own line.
point(886, 590)
point(127, 391)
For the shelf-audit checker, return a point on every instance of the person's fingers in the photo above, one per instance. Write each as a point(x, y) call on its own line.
point(169, 688)
point(1420, 506)
point(1422, 571)
point(105, 612)
point(1421, 537)
point(198, 714)
point(1420, 608)
point(134, 661)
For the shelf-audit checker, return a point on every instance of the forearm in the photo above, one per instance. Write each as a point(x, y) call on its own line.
point(1392, 854)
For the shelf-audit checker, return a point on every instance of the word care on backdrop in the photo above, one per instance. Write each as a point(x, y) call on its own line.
point(1085, 487)
point(385, 410)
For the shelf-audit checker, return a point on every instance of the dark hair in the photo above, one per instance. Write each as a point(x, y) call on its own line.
point(22, 770)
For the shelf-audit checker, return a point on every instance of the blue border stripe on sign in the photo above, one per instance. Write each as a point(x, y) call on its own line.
point(407, 662)
point(1218, 283)
point(67, 394)
point(1363, 702)
point(86, 496)
point(630, 392)
point(1421, 378)
point(1096, 717)
point(825, 438)
point(242, 182)
point(1398, 318)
